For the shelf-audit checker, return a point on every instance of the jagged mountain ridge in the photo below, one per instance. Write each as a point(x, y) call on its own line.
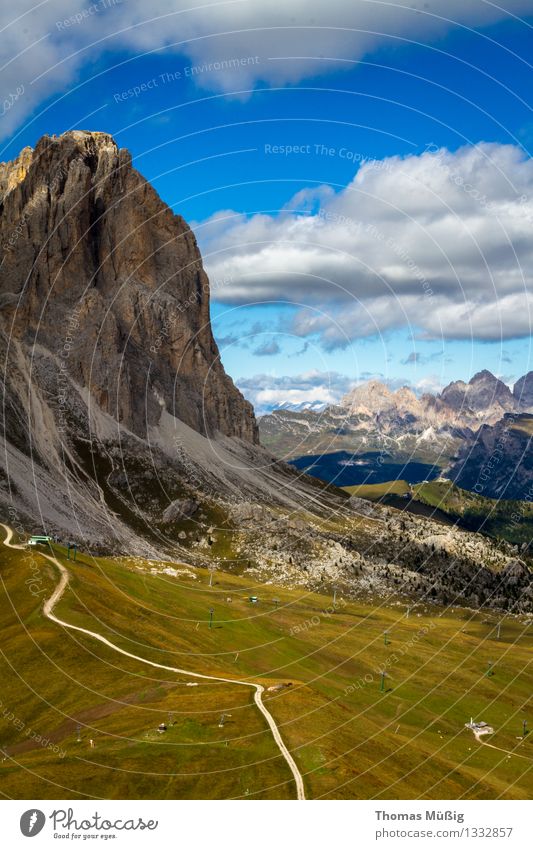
point(483, 399)
point(373, 417)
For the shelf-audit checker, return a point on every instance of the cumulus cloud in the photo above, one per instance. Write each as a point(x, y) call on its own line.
point(44, 45)
point(431, 383)
point(267, 392)
point(438, 242)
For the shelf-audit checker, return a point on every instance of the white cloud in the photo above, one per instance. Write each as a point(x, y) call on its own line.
point(266, 391)
point(439, 242)
point(44, 54)
point(431, 383)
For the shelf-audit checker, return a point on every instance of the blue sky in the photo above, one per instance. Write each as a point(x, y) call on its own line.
point(284, 165)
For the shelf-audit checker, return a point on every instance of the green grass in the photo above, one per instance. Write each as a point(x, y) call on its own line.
point(376, 491)
point(501, 519)
point(524, 424)
point(349, 740)
point(505, 519)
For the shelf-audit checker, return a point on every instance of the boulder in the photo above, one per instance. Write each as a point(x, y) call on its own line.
point(181, 508)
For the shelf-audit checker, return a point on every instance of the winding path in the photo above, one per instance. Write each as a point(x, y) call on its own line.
point(48, 609)
point(510, 752)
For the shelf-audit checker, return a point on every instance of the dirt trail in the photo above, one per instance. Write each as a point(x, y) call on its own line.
point(479, 738)
point(48, 609)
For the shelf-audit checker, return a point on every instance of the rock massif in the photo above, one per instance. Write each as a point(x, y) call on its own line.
point(484, 398)
point(100, 277)
point(111, 371)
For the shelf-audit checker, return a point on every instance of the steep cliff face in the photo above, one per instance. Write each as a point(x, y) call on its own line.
point(115, 401)
point(498, 460)
point(101, 278)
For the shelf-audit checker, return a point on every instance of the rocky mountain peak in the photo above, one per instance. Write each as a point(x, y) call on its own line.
point(484, 395)
point(102, 277)
point(366, 397)
point(375, 397)
point(406, 395)
point(487, 390)
point(523, 391)
point(483, 375)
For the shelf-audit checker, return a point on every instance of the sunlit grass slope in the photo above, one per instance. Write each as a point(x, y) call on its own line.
point(350, 739)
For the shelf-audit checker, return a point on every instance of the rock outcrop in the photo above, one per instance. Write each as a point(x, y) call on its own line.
point(181, 508)
point(120, 428)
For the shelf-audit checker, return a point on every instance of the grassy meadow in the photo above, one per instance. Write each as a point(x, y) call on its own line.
point(349, 738)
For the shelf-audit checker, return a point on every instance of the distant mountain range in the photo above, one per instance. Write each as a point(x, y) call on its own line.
point(391, 427)
point(314, 406)
point(483, 400)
